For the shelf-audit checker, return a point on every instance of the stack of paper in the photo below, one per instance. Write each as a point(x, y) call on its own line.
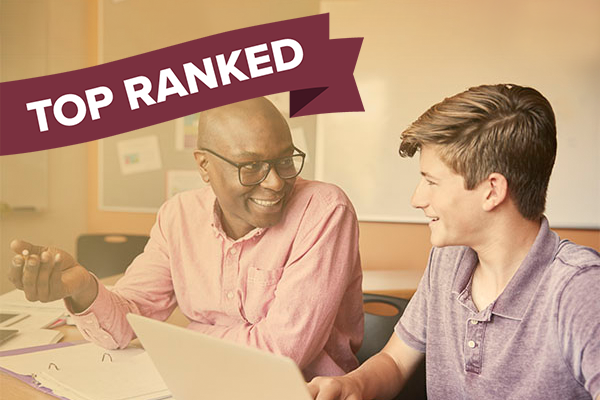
point(89, 372)
point(41, 315)
point(30, 338)
point(38, 316)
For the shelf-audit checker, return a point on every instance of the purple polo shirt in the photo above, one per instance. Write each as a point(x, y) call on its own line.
point(540, 339)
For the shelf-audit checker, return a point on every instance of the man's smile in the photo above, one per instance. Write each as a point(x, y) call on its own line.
point(265, 202)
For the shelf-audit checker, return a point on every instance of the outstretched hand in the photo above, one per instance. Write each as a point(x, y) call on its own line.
point(48, 274)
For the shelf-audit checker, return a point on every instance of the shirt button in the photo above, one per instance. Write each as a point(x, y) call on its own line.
point(232, 250)
point(230, 295)
point(473, 322)
point(471, 343)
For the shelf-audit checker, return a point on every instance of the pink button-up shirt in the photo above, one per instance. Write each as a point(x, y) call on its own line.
point(292, 289)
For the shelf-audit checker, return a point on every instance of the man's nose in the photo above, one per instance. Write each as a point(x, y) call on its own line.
point(418, 199)
point(273, 181)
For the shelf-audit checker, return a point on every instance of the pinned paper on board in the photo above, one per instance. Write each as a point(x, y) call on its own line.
point(186, 132)
point(182, 180)
point(139, 155)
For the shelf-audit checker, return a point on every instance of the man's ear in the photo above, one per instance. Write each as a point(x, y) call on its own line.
point(495, 191)
point(202, 162)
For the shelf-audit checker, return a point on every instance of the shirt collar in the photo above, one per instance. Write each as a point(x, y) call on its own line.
point(217, 225)
point(514, 300)
point(466, 264)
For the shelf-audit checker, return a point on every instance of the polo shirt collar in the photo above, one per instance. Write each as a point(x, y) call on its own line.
point(514, 300)
point(464, 269)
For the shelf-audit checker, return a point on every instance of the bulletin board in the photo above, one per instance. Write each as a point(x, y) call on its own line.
point(415, 54)
point(136, 169)
point(139, 170)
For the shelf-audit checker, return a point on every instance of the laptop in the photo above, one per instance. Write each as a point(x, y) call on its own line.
point(197, 366)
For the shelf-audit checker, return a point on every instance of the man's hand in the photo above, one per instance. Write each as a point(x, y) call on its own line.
point(380, 377)
point(334, 388)
point(48, 274)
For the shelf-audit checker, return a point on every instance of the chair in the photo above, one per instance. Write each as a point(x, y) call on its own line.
point(107, 255)
point(378, 329)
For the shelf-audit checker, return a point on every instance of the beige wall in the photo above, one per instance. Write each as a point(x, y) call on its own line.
point(382, 245)
point(40, 37)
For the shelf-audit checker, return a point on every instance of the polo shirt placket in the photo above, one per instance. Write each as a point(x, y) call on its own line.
point(474, 338)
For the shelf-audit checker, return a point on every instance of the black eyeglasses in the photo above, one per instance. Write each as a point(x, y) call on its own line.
point(254, 172)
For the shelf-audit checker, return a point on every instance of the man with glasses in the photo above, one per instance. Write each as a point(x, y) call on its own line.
point(260, 256)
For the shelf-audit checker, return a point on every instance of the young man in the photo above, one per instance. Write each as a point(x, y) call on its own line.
point(505, 309)
point(260, 257)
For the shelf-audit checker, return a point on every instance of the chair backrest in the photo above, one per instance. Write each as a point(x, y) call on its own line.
point(378, 329)
point(107, 255)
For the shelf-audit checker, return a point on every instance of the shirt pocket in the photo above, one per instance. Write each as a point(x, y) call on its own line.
point(260, 292)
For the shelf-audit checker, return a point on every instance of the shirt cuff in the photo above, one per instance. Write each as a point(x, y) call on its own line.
point(408, 338)
point(88, 321)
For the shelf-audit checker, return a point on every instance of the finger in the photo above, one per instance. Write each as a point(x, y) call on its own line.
point(313, 388)
point(326, 393)
point(30, 276)
point(19, 245)
point(15, 272)
point(329, 390)
point(55, 283)
point(43, 281)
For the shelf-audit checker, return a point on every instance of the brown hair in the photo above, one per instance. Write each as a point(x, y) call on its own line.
point(506, 129)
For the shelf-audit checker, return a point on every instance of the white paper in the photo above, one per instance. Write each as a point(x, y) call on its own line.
point(85, 372)
point(16, 298)
point(109, 380)
point(139, 155)
point(40, 315)
point(36, 337)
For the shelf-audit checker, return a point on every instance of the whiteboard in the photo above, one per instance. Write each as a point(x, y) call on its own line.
point(417, 53)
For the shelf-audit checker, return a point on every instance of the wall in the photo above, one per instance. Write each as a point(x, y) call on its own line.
point(417, 53)
point(382, 245)
point(41, 37)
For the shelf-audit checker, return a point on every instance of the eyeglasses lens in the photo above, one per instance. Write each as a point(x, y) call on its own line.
point(287, 168)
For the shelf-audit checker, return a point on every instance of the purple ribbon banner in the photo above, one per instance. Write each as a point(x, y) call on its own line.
point(106, 100)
